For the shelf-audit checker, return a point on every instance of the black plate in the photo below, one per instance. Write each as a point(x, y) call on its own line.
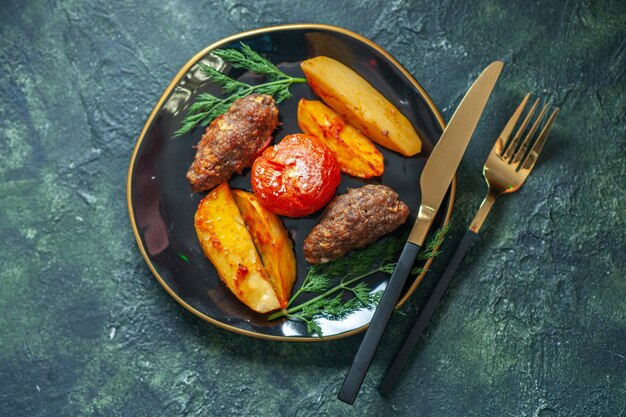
point(162, 206)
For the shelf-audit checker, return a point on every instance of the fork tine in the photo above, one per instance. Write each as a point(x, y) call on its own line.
point(533, 155)
point(526, 142)
point(513, 144)
point(500, 144)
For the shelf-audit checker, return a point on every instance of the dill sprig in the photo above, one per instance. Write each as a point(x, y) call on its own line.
point(340, 283)
point(207, 106)
point(248, 59)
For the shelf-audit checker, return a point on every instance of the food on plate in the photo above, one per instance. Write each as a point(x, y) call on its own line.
point(233, 140)
point(361, 104)
point(296, 177)
point(240, 232)
point(355, 153)
point(354, 220)
point(227, 243)
point(272, 242)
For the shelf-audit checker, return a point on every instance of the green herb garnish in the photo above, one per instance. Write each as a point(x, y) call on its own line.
point(207, 106)
point(340, 283)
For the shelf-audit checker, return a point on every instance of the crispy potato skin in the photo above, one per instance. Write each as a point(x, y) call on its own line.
point(355, 153)
point(361, 104)
point(272, 241)
point(227, 243)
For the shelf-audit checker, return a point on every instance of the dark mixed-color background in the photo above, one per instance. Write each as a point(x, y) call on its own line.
point(534, 325)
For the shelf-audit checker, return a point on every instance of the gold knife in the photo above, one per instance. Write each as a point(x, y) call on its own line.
point(434, 182)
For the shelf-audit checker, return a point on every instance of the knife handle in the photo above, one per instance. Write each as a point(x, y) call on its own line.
point(401, 359)
point(373, 335)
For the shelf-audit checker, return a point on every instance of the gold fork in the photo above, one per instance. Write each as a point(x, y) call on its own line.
point(505, 170)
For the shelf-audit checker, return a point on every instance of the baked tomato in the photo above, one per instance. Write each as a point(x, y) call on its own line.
point(296, 177)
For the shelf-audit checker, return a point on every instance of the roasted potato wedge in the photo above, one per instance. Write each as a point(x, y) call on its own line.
point(361, 104)
point(227, 243)
point(272, 241)
point(355, 153)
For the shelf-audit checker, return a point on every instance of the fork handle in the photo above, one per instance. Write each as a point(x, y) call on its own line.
point(393, 372)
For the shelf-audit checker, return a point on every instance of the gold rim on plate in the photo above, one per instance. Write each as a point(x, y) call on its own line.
point(166, 94)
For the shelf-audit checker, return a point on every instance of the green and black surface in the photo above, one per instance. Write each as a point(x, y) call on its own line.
point(533, 325)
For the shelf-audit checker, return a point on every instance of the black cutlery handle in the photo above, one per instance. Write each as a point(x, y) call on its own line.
point(403, 355)
point(374, 333)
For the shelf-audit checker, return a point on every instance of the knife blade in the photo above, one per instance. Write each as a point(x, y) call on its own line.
point(434, 182)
